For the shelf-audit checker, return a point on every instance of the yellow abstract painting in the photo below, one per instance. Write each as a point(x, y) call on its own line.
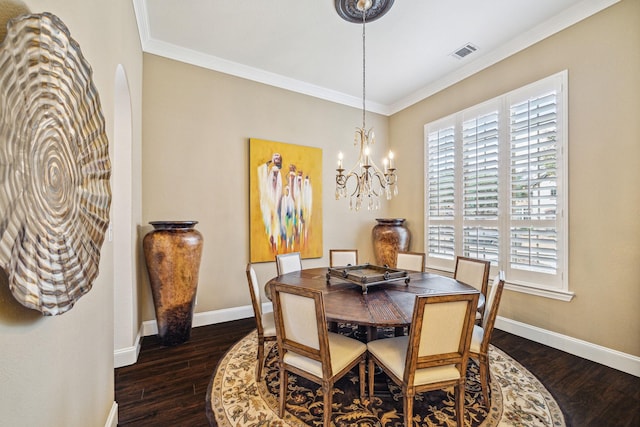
point(285, 200)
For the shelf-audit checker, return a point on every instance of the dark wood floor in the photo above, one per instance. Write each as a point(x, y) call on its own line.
point(168, 385)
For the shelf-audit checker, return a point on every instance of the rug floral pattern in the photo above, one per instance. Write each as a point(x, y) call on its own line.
point(235, 399)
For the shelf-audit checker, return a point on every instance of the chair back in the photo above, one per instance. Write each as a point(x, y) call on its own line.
point(440, 332)
point(286, 263)
point(342, 257)
point(491, 308)
point(301, 325)
point(254, 291)
point(473, 272)
point(413, 261)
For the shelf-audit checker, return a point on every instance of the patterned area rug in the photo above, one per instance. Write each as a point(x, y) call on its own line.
point(235, 399)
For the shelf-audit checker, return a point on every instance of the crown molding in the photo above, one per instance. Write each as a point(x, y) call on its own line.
point(179, 53)
point(235, 69)
point(574, 14)
point(569, 17)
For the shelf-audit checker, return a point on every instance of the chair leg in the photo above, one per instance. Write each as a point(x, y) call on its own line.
point(459, 395)
point(260, 359)
point(408, 407)
point(326, 389)
point(362, 377)
point(284, 378)
point(372, 367)
point(483, 363)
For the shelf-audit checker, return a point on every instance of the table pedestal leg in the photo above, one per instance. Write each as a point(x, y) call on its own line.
point(332, 326)
point(399, 331)
point(372, 333)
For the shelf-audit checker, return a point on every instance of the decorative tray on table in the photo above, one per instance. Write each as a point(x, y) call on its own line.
point(367, 275)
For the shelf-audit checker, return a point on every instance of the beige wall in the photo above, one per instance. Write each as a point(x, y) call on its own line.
point(602, 56)
point(58, 371)
point(197, 125)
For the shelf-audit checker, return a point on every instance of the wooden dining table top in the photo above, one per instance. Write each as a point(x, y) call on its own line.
point(384, 305)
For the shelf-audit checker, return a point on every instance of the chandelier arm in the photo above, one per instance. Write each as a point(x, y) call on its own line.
point(343, 179)
point(376, 169)
point(372, 188)
point(356, 190)
point(391, 178)
point(381, 179)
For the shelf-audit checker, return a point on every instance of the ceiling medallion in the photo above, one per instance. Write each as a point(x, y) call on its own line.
point(349, 11)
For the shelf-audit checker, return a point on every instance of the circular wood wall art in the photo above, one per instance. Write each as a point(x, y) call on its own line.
point(54, 166)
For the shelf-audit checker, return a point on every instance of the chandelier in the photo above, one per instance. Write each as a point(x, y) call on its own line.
point(369, 181)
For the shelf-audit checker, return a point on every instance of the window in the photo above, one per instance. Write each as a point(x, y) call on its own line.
point(496, 187)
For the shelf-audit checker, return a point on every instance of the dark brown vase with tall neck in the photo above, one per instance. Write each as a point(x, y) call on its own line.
point(389, 236)
point(172, 251)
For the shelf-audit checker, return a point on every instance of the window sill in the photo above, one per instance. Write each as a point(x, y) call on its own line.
point(541, 292)
point(557, 294)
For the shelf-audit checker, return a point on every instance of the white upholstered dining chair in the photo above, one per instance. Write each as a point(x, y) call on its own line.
point(473, 272)
point(413, 261)
point(307, 348)
point(343, 257)
point(286, 263)
point(481, 337)
point(435, 353)
point(410, 261)
point(265, 325)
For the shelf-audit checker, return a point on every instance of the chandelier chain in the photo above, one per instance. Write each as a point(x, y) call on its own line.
point(364, 68)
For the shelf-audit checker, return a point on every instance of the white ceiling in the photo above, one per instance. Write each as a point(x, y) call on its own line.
point(304, 46)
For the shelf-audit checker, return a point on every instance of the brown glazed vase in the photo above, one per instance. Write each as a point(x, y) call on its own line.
point(389, 236)
point(172, 252)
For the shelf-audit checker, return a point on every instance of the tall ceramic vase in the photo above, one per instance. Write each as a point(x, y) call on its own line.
point(172, 251)
point(389, 236)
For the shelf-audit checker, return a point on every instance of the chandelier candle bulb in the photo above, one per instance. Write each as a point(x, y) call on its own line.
point(340, 160)
point(390, 159)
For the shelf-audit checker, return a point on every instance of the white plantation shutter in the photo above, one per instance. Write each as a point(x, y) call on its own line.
point(533, 184)
point(480, 138)
point(440, 187)
point(496, 187)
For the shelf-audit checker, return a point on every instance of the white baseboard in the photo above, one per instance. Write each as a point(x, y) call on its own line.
point(605, 356)
point(150, 327)
point(614, 359)
point(112, 419)
point(224, 315)
point(128, 355)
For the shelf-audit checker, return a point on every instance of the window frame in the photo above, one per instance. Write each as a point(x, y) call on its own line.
point(556, 285)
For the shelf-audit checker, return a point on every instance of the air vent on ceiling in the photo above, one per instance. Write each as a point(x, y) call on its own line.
point(465, 50)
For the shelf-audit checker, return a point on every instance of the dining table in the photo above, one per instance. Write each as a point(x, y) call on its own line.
point(385, 305)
